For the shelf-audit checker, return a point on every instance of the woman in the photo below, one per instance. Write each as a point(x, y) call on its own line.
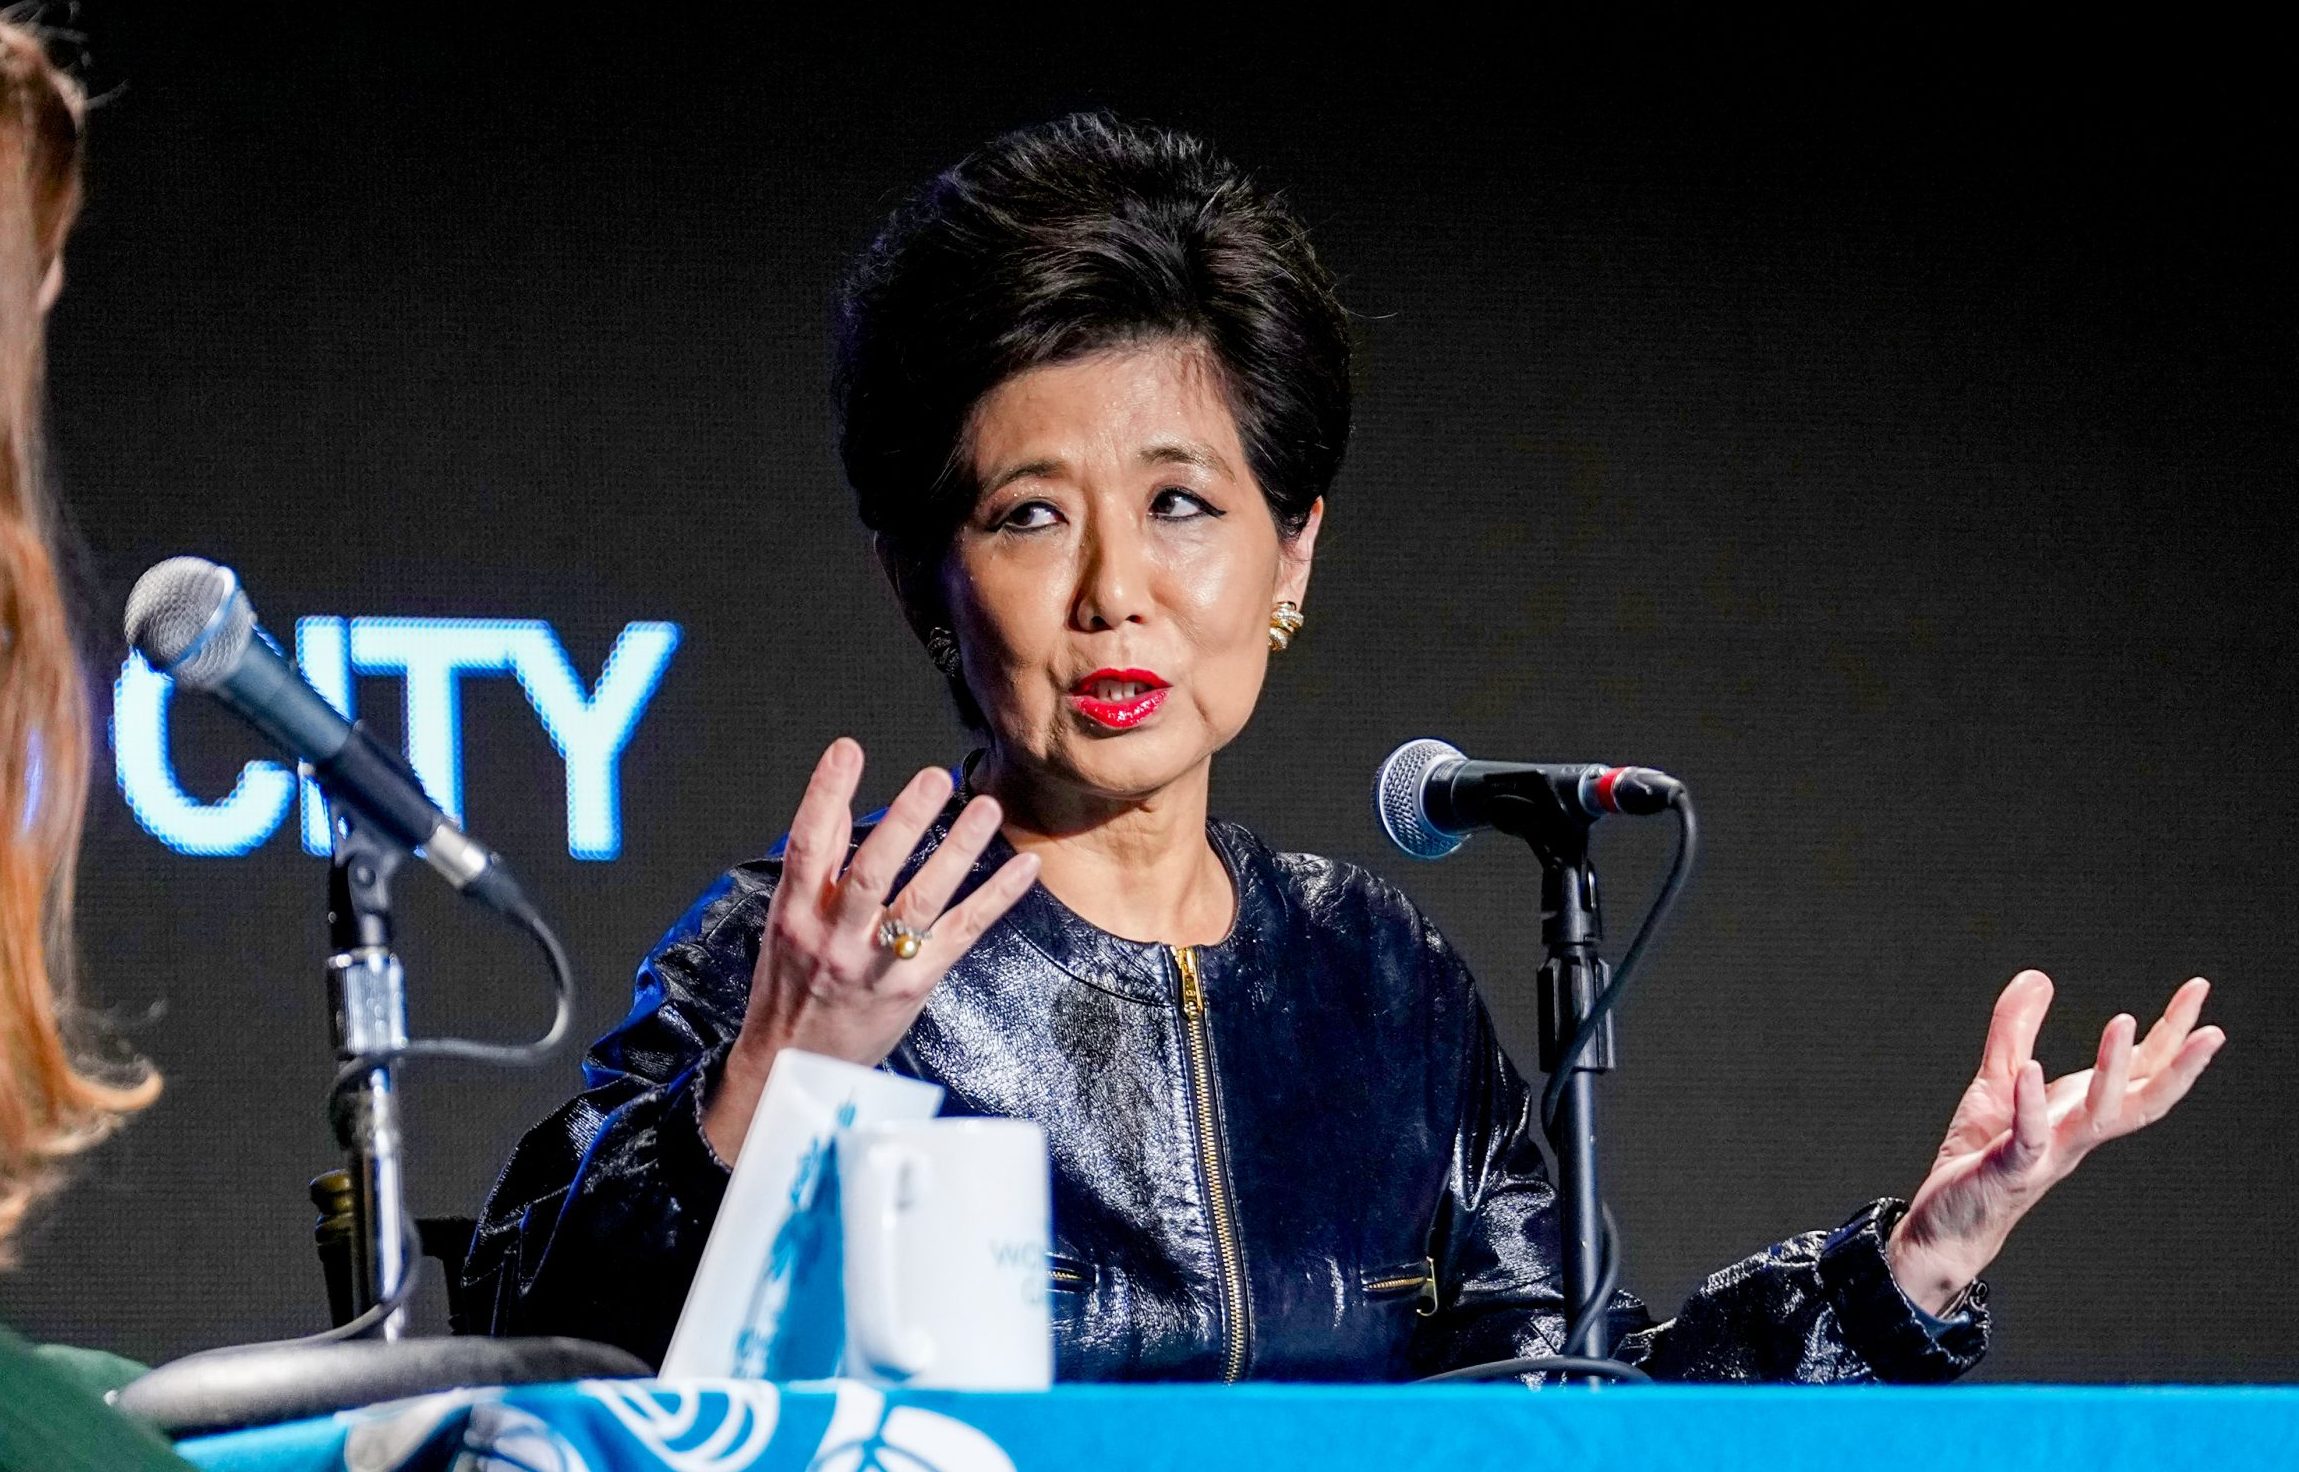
point(51, 1411)
point(1093, 389)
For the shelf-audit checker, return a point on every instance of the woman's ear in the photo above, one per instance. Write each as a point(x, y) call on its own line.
point(883, 550)
point(1294, 557)
point(890, 564)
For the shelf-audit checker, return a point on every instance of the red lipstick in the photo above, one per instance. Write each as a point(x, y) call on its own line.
point(1119, 699)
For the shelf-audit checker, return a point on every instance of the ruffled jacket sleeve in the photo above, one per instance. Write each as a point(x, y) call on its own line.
point(1821, 1306)
point(597, 1223)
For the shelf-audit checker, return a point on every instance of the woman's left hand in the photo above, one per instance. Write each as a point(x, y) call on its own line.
point(2014, 1137)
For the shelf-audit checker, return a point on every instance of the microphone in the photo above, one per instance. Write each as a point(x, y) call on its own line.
point(1430, 797)
point(190, 619)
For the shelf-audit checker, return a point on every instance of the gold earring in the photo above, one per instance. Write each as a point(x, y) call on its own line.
point(1285, 621)
point(942, 648)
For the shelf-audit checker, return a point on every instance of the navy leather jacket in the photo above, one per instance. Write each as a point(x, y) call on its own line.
point(1298, 1154)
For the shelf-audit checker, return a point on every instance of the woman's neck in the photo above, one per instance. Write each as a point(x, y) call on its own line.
point(1139, 868)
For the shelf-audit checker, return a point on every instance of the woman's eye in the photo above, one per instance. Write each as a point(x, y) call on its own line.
point(1180, 505)
point(1028, 516)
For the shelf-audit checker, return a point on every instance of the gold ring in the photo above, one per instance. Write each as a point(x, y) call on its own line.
point(899, 938)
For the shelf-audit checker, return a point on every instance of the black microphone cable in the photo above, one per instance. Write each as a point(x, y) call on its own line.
point(353, 1072)
point(514, 1055)
point(1599, 1300)
point(1679, 871)
point(358, 1326)
point(518, 1055)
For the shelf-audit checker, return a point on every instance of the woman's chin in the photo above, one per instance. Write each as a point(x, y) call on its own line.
point(1131, 764)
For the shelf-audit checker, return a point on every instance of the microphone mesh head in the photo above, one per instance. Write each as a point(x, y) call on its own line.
point(1398, 793)
point(188, 618)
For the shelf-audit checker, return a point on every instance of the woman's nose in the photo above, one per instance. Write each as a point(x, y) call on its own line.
point(1113, 577)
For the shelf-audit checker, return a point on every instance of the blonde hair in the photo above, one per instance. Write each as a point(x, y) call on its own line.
point(51, 1103)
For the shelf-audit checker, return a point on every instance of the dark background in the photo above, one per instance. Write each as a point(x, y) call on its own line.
point(1891, 434)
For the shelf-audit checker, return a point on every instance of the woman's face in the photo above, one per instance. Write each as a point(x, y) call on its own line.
point(1112, 590)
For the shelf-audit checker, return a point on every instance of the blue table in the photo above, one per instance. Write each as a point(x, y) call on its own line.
point(722, 1426)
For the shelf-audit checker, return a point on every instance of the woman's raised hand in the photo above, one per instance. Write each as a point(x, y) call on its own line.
point(824, 981)
point(2014, 1137)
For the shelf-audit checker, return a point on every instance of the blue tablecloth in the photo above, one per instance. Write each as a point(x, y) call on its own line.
point(723, 1426)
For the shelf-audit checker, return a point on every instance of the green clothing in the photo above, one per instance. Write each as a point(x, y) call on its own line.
point(98, 1371)
point(53, 1417)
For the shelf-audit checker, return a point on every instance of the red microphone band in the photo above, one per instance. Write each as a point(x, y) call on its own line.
point(1603, 790)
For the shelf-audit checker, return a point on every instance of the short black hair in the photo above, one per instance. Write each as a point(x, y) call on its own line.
point(1054, 242)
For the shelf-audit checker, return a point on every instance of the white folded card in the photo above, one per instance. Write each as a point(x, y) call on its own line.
point(768, 1300)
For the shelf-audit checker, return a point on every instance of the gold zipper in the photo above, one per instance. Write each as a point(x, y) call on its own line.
point(1425, 1280)
point(1209, 1149)
point(1068, 1276)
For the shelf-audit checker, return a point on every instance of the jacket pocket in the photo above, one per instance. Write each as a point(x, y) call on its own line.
point(1417, 1280)
point(1068, 1274)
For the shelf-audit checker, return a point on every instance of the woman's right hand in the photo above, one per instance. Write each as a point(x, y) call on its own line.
point(823, 981)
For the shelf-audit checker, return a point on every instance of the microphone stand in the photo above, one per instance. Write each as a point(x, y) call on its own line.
point(366, 1247)
point(1571, 977)
point(367, 1012)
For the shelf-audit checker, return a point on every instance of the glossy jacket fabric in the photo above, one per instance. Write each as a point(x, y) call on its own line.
point(1261, 1149)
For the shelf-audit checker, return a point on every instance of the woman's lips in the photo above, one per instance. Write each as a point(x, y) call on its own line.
point(1119, 699)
